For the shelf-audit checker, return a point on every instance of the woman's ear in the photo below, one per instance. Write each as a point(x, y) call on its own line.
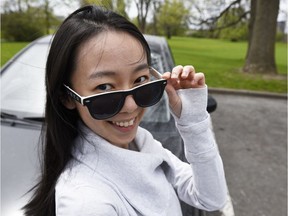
point(68, 102)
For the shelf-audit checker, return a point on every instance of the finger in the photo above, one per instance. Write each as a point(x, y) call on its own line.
point(172, 82)
point(199, 79)
point(166, 75)
point(188, 71)
point(176, 71)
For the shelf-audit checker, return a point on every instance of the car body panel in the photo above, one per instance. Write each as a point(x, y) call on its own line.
point(19, 164)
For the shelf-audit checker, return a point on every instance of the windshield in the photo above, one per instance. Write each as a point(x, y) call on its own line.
point(23, 87)
point(22, 83)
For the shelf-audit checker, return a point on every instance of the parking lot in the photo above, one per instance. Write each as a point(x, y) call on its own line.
point(251, 132)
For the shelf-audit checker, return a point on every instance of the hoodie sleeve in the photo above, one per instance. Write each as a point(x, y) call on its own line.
point(202, 184)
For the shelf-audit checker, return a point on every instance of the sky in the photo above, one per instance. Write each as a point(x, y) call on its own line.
point(64, 10)
point(283, 12)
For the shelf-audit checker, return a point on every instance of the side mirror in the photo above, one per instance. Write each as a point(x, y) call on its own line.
point(211, 105)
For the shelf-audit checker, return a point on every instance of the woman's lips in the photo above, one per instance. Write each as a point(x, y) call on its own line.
point(125, 125)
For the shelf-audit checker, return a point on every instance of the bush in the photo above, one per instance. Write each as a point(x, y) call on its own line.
point(281, 37)
point(235, 33)
point(19, 26)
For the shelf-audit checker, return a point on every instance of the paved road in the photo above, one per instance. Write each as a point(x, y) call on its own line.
point(252, 136)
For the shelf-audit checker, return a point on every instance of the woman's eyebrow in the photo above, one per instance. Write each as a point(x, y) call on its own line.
point(141, 67)
point(100, 74)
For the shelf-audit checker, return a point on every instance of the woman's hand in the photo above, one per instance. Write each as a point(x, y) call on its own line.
point(181, 78)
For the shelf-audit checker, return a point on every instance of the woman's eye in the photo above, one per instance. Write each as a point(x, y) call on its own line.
point(142, 79)
point(104, 87)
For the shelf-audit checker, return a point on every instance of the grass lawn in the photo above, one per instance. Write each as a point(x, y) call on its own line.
point(221, 61)
point(9, 49)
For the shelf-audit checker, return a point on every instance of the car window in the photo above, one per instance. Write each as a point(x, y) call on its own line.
point(160, 111)
point(22, 83)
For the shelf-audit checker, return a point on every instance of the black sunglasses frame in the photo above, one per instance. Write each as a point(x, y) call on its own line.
point(86, 101)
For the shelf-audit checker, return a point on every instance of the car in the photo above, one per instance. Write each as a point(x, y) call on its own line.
point(22, 115)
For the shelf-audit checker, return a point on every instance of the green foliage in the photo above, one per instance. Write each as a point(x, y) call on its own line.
point(230, 26)
point(104, 3)
point(172, 18)
point(222, 61)
point(116, 5)
point(121, 8)
point(281, 37)
point(27, 24)
point(201, 33)
point(20, 26)
point(238, 31)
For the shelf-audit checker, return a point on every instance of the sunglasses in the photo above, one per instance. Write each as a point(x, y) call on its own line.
point(106, 105)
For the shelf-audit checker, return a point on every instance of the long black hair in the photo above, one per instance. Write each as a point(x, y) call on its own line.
point(60, 127)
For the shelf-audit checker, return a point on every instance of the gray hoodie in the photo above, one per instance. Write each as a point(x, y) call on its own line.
point(104, 179)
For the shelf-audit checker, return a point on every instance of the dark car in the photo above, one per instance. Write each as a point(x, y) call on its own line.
point(22, 110)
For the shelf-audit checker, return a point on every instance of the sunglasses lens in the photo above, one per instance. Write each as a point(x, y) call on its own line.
point(149, 94)
point(106, 106)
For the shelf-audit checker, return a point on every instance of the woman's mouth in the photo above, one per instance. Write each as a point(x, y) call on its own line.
point(124, 124)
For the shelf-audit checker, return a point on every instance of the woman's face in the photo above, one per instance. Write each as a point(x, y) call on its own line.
point(111, 61)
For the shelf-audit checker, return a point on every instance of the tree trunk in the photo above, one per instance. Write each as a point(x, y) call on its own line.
point(260, 56)
point(142, 8)
point(47, 17)
point(250, 25)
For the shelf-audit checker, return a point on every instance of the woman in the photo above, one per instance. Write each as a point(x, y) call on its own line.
point(97, 160)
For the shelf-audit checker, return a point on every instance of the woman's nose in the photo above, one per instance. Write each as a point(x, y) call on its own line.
point(129, 105)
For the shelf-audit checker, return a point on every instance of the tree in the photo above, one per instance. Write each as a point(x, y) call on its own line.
point(172, 18)
point(18, 21)
point(238, 29)
point(20, 26)
point(104, 3)
point(121, 7)
point(115, 5)
point(26, 20)
point(260, 57)
point(262, 29)
point(154, 25)
point(142, 8)
point(49, 18)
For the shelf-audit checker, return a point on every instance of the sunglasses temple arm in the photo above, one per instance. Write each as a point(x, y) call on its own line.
point(155, 73)
point(73, 94)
